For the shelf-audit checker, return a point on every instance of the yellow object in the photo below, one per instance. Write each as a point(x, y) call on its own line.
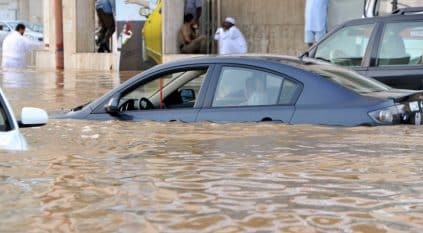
point(152, 35)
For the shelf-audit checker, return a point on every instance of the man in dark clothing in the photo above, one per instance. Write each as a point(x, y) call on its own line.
point(107, 23)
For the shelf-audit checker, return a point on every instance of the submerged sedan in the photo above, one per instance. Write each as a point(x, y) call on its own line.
point(255, 89)
point(10, 136)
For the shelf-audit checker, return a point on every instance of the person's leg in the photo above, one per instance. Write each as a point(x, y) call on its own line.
point(194, 47)
point(203, 44)
point(109, 23)
point(319, 35)
point(102, 32)
point(189, 48)
point(309, 38)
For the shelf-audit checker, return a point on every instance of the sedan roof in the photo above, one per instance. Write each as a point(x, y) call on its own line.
point(318, 71)
point(262, 58)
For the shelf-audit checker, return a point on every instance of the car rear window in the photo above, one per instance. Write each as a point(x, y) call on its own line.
point(349, 79)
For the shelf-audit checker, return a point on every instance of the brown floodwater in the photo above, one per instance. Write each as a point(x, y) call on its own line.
point(81, 176)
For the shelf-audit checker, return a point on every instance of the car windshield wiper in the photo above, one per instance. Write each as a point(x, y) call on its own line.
point(323, 59)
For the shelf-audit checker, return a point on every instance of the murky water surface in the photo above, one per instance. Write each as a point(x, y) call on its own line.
point(82, 176)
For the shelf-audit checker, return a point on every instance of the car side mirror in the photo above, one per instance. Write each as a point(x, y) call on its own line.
point(145, 12)
point(112, 107)
point(33, 117)
point(187, 95)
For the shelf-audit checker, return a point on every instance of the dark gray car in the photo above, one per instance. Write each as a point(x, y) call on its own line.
point(388, 48)
point(254, 89)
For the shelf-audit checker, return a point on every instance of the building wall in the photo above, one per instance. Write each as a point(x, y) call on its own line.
point(8, 9)
point(35, 11)
point(270, 26)
point(28, 10)
point(277, 26)
point(78, 23)
point(341, 11)
point(78, 36)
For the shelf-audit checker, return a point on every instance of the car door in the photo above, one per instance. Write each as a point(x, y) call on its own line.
point(249, 94)
point(397, 60)
point(172, 95)
point(348, 46)
point(10, 137)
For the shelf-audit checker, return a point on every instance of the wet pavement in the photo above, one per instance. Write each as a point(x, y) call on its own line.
point(82, 176)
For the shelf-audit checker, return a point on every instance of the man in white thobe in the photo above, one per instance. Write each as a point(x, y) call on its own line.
point(16, 48)
point(230, 38)
point(316, 13)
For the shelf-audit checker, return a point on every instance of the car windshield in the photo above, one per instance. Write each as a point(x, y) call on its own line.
point(4, 123)
point(349, 79)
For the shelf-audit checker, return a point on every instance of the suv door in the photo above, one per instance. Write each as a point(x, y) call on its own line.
point(397, 60)
point(250, 94)
point(347, 46)
point(172, 95)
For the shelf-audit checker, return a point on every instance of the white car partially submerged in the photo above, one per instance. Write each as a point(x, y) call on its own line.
point(10, 135)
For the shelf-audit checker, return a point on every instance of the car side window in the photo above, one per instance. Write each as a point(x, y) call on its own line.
point(347, 46)
point(248, 87)
point(402, 44)
point(179, 89)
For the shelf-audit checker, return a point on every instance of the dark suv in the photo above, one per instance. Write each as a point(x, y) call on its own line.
point(387, 48)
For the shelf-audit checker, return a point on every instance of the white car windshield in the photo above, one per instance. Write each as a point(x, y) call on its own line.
point(4, 123)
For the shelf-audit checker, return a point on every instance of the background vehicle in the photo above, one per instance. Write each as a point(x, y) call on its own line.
point(254, 89)
point(152, 35)
point(36, 27)
point(386, 7)
point(7, 26)
point(388, 48)
point(10, 136)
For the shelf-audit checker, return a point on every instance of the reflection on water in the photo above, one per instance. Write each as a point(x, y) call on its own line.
point(84, 176)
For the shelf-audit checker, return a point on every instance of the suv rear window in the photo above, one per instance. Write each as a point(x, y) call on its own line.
point(402, 44)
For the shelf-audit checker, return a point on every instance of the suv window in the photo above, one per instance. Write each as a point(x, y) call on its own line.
point(249, 87)
point(347, 46)
point(402, 44)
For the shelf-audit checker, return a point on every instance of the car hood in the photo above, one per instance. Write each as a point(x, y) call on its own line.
point(398, 95)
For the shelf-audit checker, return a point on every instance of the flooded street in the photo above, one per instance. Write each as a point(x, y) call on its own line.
point(81, 176)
